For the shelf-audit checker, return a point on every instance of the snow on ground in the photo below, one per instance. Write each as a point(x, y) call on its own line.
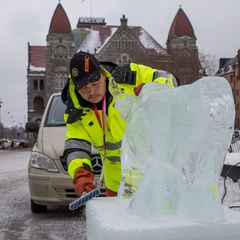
point(232, 158)
point(17, 222)
point(9, 163)
point(16, 168)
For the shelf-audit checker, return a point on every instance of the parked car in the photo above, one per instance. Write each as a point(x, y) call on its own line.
point(19, 144)
point(5, 143)
point(49, 182)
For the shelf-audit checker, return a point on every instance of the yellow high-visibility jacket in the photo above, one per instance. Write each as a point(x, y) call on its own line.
point(84, 130)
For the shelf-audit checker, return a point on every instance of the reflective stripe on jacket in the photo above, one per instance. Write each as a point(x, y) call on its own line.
point(86, 131)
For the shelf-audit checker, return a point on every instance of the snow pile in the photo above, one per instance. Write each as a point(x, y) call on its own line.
point(172, 154)
point(150, 43)
point(91, 42)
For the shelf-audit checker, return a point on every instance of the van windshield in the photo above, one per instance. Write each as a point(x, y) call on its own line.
point(55, 112)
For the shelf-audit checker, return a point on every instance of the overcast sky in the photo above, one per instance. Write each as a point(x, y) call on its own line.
point(216, 26)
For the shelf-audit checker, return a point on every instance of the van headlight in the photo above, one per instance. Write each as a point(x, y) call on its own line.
point(41, 161)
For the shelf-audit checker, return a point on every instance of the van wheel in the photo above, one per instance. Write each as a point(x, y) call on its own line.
point(37, 208)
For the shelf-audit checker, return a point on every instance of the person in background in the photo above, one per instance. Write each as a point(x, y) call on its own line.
point(92, 120)
point(12, 145)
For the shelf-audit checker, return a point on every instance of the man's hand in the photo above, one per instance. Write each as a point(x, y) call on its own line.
point(83, 181)
point(110, 193)
point(138, 89)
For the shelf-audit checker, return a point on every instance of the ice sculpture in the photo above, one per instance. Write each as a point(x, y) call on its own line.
point(172, 153)
point(174, 148)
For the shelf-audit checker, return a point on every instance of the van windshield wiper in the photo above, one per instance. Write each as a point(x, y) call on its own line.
point(55, 124)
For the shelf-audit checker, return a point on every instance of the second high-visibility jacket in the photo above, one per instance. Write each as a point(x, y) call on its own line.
point(84, 130)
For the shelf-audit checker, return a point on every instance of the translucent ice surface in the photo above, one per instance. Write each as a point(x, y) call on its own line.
point(172, 155)
point(174, 148)
point(108, 219)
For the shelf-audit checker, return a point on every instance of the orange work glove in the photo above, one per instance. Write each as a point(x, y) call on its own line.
point(110, 193)
point(138, 89)
point(83, 181)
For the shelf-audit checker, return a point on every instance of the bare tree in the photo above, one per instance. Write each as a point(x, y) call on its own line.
point(209, 63)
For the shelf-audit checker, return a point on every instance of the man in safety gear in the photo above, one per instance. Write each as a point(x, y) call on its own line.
point(92, 120)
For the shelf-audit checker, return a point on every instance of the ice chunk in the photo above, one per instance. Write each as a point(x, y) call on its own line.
point(108, 219)
point(172, 154)
point(177, 139)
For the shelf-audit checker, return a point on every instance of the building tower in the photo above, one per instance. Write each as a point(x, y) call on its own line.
point(181, 45)
point(60, 48)
point(48, 65)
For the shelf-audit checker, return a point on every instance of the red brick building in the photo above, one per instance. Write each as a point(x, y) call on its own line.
point(48, 65)
point(230, 69)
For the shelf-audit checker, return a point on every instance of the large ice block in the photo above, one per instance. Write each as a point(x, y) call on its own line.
point(177, 140)
point(107, 219)
point(172, 153)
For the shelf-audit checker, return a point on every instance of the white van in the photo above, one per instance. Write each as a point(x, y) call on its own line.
point(49, 182)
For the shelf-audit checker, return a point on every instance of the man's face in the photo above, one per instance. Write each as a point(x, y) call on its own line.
point(94, 92)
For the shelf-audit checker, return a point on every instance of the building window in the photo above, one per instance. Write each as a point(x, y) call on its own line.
point(60, 51)
point(60, 82)
point(38, 104)
point(124, 59)
point(35, 84)
point(41, 85)
point(124, 44)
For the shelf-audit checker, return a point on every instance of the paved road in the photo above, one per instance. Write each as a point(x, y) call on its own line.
point(16, 219)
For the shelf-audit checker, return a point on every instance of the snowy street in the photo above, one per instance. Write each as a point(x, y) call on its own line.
point(17, 222)
point(16, 219)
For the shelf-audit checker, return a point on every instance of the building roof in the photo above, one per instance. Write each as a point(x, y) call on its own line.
point(181, 26)
point(87, 22)
point(147, 40)
point(97, 36)
point(60, 22)
point(228, 65)
point(37, 57)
